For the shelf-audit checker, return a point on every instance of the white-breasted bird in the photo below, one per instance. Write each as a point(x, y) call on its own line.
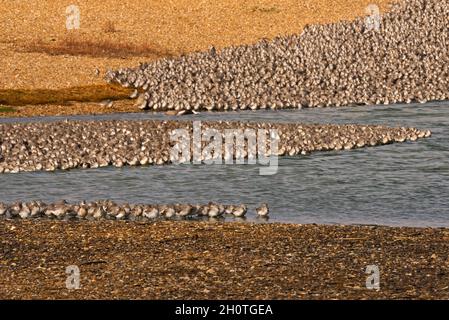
point(263, 210)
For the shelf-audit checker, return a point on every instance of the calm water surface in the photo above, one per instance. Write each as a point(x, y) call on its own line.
point(399, 184)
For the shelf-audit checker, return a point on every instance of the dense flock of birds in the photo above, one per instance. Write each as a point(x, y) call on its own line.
point(65, 145)
point(339, 64)
point(107, 209)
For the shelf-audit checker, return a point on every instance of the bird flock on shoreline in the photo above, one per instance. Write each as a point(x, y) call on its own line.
point(50, 146)
point(339, 64)
point(110, 210)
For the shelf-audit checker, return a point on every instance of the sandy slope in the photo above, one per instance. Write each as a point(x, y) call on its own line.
point(176, 25)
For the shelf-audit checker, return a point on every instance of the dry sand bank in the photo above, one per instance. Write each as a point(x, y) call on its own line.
point(183, 260)
point(37, 52)
point(174, 26)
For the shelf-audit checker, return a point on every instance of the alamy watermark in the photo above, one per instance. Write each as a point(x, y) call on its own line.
point(73, 17)
point(373, 18)
point(373, 280)
point(72, 281)
point(213, 146)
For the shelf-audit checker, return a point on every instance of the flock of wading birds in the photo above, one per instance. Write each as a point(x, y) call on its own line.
point(70, 144)
point(331, 65)
point(64, 145)
point(135, 212)
point(339, 64)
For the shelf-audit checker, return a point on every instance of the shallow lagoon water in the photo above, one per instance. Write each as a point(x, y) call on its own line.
point(400, 184)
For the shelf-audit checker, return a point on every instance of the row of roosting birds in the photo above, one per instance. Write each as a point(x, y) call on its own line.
point(78, 144)
point(107, 209)
point(405, 60)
